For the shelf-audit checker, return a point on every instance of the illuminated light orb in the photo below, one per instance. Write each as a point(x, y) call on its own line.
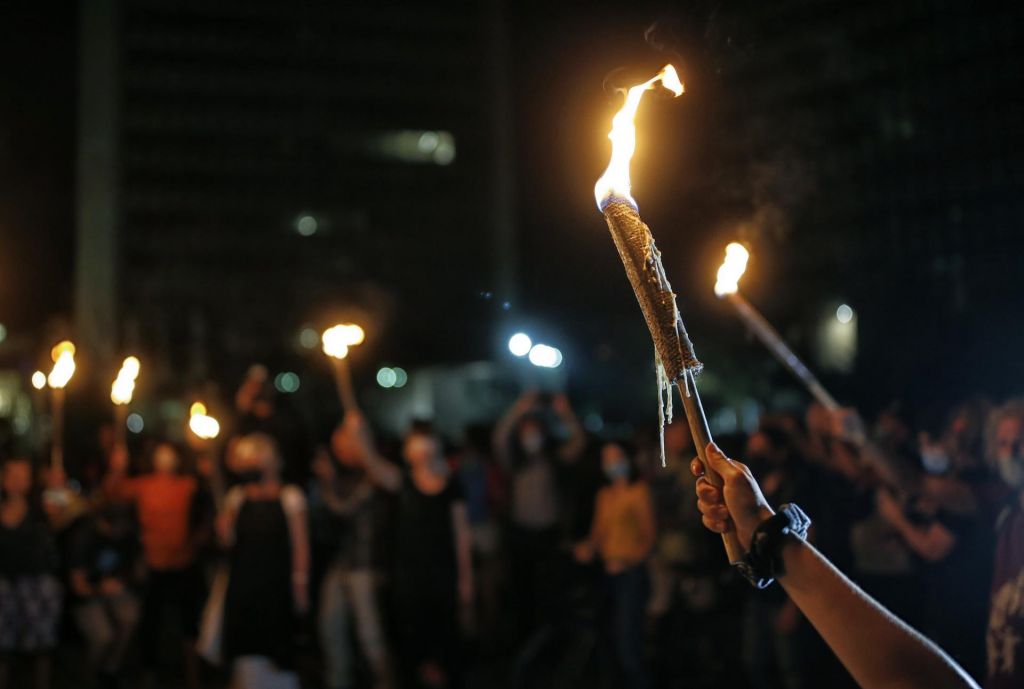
point(401, 377)
point(386, 377)
point(307, 226)
point(197, 409)
point(130, 368)
point(39, 380)
point(60, 348)
point(309, 338)
point(520, 344)
point(287, 382)
point(63, 369)
point(122, 389)
point(732, 269)
point(844, 314)
point(545, 356)
point(135, 423)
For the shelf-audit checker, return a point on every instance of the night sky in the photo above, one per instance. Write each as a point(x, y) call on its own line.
point(870, 155)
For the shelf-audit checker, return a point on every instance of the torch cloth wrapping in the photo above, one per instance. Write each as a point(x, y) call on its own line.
point(642, 261)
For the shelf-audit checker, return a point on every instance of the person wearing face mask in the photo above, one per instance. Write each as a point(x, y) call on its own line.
point(433, 576)
point(166, 501)
point(263, 526)
point(1005, 637)
point(533, 461)
point(623, 534)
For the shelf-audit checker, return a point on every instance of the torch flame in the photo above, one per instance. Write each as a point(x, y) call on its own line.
point(63, 369)
point(732, 269)
point(614, 183)
point(199, 422)
point(124, 385)
point(337, 339)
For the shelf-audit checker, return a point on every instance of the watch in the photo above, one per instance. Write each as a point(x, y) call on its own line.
point(763, 563)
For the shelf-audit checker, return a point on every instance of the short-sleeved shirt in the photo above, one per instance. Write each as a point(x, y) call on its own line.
point(1005, 638)
point(164, 503)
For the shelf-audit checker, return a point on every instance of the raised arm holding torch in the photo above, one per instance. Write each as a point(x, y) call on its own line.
point(727, 287)
point(337, 341)
point(121, 392)
point(675, 360)
point(63, 356)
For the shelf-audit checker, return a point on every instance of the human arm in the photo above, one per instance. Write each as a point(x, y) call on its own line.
point(586, 550)
point(298, 532)
point(879, 650)
point(502, 435)
point(933, 542)
point(355, 430)
point(573, 447)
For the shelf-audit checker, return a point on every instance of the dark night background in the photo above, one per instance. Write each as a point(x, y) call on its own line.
point(869, 153)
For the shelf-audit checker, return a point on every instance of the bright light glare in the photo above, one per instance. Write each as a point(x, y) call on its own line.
point(338, 338)
point(122, 389)
point(39, 380)
point(732, 269)
point(203, 425)
point(135, 423)
point(63, 369)
point(130, 367)
point(309, 338)
point(287, 382)
point(306, 226)
point(197, 409)
point(844, 314)
point(401, 377)
point(544, 356)
point(386, 377)
point(60, 348)
point(520, 344)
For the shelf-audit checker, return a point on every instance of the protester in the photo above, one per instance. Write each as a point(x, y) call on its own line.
point(172, 523)
point(532, 456)
point(30, 593)
point(104, 576)
point(433, 570)
point(1005, 638)
point(343, 500)
point(264, 527)
point(623, 534)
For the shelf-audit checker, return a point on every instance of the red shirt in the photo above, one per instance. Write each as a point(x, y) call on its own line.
point(164, 503)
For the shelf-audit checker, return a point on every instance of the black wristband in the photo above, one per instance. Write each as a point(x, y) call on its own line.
point(763, 563)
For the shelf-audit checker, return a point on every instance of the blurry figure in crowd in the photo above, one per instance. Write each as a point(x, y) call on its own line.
point(263, 525)
point(256, 403)
point(623, 534)
point(944, 525)
point(1005, 638)
point(342, 497)
point(433, 575)
point(104, 574)
point(482, 485)
point(30, 593)
point(531, 455)
point(172, 521)
point(777, 642)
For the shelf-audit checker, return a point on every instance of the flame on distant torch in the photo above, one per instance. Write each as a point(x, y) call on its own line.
point(732, 269)
point(339, 338)
point(614, 183)
point(124, 385)
point(201, 423)
point(63, 369)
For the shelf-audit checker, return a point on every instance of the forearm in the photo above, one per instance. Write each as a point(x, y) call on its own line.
point(382, 472)
point(878, 649)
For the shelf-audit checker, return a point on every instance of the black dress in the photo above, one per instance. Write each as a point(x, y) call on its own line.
point(425, 580)
point(258, 611)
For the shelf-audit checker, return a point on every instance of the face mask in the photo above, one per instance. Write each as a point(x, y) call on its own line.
point(533, 443)
point(1011, 470)
point(250, 476)
point(935, 460)
point(617, 471)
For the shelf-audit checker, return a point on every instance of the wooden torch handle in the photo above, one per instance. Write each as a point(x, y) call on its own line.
point(343, 379)
point(701, 438)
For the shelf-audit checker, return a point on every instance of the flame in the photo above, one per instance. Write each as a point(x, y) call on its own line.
point(63, 369)
point(200, 423)
point(337, 339)
point(614, 183)
point(130, 367)
point(60, 348)
point(39, 380)
point(732, 269)
point(124, 385)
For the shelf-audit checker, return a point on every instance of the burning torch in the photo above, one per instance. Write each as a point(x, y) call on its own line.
point(675, 361)
point(63, 356)
point(204, 426)
point(121, 392)
point(337, 341)
point(727, 287)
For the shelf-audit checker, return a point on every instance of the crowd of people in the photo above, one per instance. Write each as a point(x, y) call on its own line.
point(527, 554)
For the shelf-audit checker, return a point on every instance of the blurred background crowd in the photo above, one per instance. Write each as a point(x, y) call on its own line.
point(525, 553)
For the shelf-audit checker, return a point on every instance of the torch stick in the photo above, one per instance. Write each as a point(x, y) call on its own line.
point(57, 441)
point(343, 381)
point(676, 358)
point(771, 339)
